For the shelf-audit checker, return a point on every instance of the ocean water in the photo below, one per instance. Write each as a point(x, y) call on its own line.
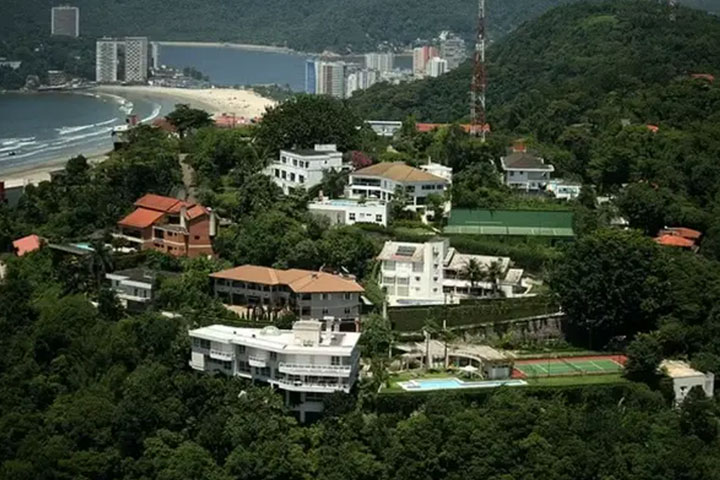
point(39, 127)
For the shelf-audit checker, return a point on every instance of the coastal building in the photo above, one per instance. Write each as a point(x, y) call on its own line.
point(106, 60)
point(65, 21)
point(437, 66)
point(421, 57)
point(304, 169)
point(360, 80)
point(170, 226)
point(434, 273)
point(330, 78)
point(136, 287)
point(306, 363)
point(383, 180)
point(136, 59)
point(525, 171)
point(385, 128)
point(381, 62)
point(308, 294)
point(685, 378)
point(155, 55)
point(56, 78)
point(350, 212)
point(310, 76)
point(452, 49)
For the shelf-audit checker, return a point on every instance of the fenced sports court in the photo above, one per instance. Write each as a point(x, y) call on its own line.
point(556, 367)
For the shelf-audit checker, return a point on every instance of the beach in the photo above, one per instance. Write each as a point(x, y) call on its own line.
point(216, 101)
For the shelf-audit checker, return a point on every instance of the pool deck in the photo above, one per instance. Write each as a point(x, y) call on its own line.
point(453, 383)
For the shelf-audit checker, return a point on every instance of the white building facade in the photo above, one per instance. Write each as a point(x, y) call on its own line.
point(360, 80)
point(136, 59)
point(421, 57)
point(330, 78)
point(65, 21)
point(382, 62)
point(350, 212)
point(524, 171)
point(303, 169)
point(385, 128)
point(382, 181)
point(106, 60)
point(432, 273)
point(306, 363)
point(685, 378)
point(452, 49)
point(436, 67)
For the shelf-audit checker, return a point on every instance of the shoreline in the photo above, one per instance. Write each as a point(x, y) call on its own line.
point(239, 46)
point(40, 173)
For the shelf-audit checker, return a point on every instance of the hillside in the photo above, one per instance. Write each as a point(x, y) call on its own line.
point(306, 25)
point(576, 53)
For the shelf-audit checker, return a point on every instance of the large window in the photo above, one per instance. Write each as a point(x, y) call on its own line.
point(335, 361)
point(389, 265)
point(201, 343)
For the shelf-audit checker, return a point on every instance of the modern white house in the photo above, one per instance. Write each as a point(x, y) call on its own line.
point(563, 190)
point(135, 287)
point(685, 378)
point(306, 363)
point(350, 212)
point(385, 128)
point(432, 273)
point(525, 171)
point(382, 180)
point(438, 169)
point(304, 169)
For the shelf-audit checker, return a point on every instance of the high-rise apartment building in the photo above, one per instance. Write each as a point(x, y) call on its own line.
point(382, 62)
point(106, 60)
point(436, 67)
point(136, 59)
point(65, 21)
point(330, 78)
point(452, 49)
point(360, 80)
point(421, 57)
point(310, 76)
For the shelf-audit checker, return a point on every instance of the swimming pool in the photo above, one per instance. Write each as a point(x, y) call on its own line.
point(452, 383)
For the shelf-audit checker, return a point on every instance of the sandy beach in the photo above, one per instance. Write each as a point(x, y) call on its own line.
point(242, 103)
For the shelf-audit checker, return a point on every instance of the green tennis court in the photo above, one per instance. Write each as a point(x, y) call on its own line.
point(566, 366)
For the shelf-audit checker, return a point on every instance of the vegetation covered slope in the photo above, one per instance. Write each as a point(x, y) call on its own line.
point(306, 25)
point(578, 53)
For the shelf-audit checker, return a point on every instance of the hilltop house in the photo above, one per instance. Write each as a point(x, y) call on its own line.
point(169, 225)
point(306, 363)
point(303, 169)
point(308, 294)
point(433, 273)
point(525, 171)
point(135, 287)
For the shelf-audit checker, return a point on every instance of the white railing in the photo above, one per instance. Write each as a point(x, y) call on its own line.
point(256, 361)
point(300, 386)
point(221, 355)
point(309, 369)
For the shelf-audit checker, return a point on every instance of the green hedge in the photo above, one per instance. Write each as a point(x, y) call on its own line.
point(412, 319)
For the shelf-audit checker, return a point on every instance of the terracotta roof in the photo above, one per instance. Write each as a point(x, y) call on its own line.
point(688, 233)
point(399, 172)
point(524, 160)
point(141, 218)
point(299, 281)
point(196, 211)
point(705, 76)
point(653, 128)
point(27, 244)
point(159, 203)
point(669, 240)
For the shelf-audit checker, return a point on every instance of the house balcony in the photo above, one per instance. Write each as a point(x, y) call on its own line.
point(221, 355)
point(257, 361)
point(300, 386)
point(307, 369)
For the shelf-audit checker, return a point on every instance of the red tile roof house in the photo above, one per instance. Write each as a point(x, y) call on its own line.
point(170, 226)
point(27, 244)
point(679, 237)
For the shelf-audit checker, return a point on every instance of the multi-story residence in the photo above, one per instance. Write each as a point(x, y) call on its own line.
point(65, 21)
point(303, 169)
point(306, 363)
point(385, 128)
point(135, 287)
point(382, 181)
point(382, 62)
point(308, 294)
point(136, 59)
point(525, 171)
point(310, 76)
point(329, 78)
point(350, 212)
point(421, 57)
point(437, 66)
point(106, 60)
point(434, 273)
point(170, 225)
point(360, 80)
point(452, 49)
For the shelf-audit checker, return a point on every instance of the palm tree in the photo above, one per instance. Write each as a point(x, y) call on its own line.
point(99, 262)
point(472, 272)
point(493, 274)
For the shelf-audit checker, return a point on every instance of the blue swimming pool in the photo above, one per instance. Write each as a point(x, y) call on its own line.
point(452, 383)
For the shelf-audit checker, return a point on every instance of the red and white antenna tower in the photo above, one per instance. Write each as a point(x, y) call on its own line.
point(478, 118)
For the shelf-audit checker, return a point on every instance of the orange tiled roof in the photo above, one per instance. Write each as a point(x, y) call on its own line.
point(684, 232)
point(27, 244)
point(159, 203)
point(399, 172)
point(299, 281)
point(670, 240)
point(196, 211)
point(141, 218)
